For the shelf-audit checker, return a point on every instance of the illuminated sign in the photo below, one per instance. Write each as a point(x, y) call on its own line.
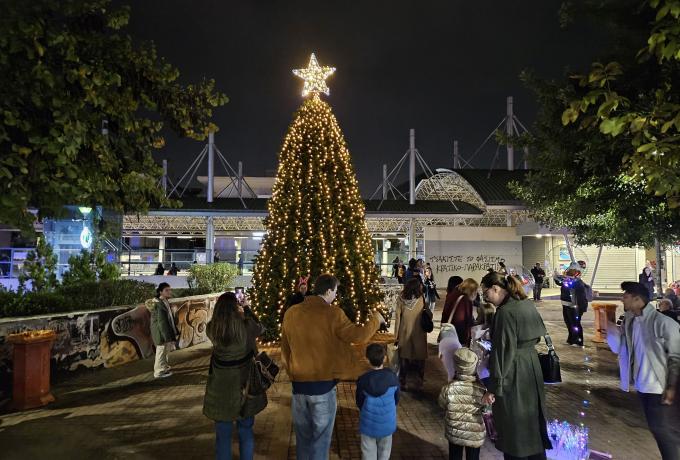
point(86, 238)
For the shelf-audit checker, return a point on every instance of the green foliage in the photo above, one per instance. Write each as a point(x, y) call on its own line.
point(88, 295)
point(578, 180)
point(316, 222)
point(212, 277)
point(40, 268)
point(66, 69)
point(637, 98)
point(90, 266)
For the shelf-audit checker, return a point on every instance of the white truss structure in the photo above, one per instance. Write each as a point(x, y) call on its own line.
point(186, 225)
point(443, 186)
point(449, 185)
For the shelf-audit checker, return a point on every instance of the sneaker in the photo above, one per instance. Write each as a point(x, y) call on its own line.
point(163, 375)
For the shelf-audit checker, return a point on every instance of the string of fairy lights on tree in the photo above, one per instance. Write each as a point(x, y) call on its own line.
point(316, 216)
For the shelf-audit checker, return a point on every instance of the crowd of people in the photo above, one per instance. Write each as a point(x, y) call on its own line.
point(487, 339)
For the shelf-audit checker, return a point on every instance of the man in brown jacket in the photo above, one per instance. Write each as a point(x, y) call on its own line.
point(316, 340)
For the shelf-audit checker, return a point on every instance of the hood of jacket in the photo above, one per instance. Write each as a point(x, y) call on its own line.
point(376, 382)
point(151, 304)
point(410, 303)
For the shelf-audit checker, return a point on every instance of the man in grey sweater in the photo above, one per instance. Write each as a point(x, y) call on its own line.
point(648, 345)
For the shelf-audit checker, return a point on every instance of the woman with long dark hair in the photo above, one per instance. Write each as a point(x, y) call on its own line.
point(410, 336)
point(458, 309)
point(516, 381)
point(232, 331)
point(431, 294)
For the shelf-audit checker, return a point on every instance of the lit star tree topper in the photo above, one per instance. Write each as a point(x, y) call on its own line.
point(315, 77)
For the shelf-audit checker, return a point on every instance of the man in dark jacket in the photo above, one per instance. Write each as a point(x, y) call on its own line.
point(377, 398)
point(574, 304)
point(539, 276)
point(412, 270)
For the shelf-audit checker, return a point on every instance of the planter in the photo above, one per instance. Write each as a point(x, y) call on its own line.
point(31, 370)
point(604, 313)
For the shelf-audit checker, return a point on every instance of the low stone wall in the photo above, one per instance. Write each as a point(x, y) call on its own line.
point(108, 338)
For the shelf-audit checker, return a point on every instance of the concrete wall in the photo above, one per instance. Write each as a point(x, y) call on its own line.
point(469, 251)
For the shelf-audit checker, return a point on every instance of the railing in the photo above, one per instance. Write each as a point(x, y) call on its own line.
point(145, 261)
point(12, 261)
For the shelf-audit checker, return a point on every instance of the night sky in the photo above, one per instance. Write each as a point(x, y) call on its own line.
point(442, 67)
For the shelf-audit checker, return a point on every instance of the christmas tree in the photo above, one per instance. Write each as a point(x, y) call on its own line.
point(316, 216)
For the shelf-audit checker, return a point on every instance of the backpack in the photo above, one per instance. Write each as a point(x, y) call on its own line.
point(589, 292)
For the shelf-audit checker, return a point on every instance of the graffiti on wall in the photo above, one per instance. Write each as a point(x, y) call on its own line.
point(106, 338)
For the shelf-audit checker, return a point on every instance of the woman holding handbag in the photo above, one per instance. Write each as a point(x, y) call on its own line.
point(458, 309)
point(516, 380)
point(410, 335)
point(232, 331)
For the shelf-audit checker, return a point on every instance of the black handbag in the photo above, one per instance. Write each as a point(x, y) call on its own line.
point(262, 375)
point(426, 320)
point(550, 363)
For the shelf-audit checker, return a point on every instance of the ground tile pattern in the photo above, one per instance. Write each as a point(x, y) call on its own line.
point(124, 413)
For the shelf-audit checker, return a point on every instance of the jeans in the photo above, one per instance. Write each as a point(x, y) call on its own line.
point(538, 287)
point(161, 365)
point(431, 304)
point(246, 440)
point(456, 452)
point(313, 420)
point(572, 319)
point(664, 423)
point(376, 448)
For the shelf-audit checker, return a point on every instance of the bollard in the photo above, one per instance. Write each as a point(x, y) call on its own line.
point(31, 369)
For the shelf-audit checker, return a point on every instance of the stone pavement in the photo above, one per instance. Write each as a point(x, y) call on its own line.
point(123, 413)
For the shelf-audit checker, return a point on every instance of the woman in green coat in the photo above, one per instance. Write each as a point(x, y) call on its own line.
point(232, 331)
point(163, 330)
point(516, 380)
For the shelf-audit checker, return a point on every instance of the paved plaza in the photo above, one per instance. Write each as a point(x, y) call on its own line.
point(123, 413)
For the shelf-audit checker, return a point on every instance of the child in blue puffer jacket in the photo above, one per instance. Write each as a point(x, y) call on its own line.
point(377, 399)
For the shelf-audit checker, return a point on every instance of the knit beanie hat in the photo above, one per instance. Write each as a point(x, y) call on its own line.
point(465, 361)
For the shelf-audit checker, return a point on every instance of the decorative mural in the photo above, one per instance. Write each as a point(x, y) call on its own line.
point(106, 338)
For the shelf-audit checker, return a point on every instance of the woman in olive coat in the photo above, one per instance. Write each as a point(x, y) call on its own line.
point(163, 330)
point(516, 381)
point(233, 331)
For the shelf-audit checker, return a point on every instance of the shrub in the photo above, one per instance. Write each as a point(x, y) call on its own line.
point(89, 295)
point(107, 293)
point(40, 268)
point(212, 277)
point(90, 266)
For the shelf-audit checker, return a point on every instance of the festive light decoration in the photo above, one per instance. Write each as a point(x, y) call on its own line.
point(315, 77)
point(569, 442)
point(316, 221)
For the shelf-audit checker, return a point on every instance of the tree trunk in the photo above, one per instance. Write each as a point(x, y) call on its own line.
point(659, 255)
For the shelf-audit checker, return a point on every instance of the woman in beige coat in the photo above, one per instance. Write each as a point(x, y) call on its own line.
point(410, 336)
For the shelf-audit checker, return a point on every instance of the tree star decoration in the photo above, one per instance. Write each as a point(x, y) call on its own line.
point(315, 77)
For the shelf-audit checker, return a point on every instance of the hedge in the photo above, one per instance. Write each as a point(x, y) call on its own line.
point(90, 295)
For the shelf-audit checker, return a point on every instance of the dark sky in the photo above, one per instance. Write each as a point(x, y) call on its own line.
point(442, 67)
